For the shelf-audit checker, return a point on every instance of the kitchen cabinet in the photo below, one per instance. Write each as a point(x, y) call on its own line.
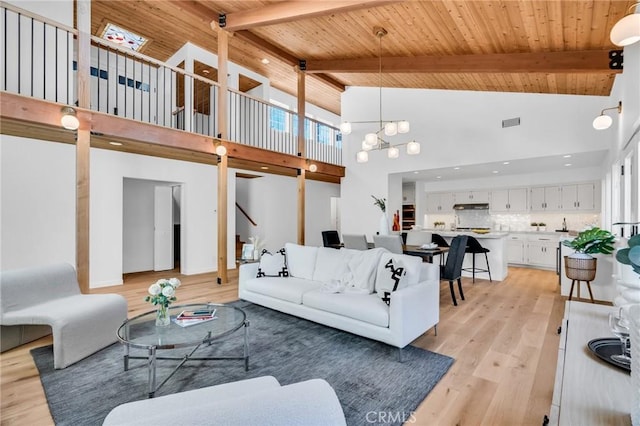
point(546, 198)
point(516, 249)
point(471, 197)
point(579, 197)
point(439, 202)
point(509, 200)
point(541, 251)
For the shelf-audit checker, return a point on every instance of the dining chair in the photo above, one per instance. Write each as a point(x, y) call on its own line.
point(418, 238)
point(331, 239)
point(393, 243)
point(355, 241)
point(452, 270)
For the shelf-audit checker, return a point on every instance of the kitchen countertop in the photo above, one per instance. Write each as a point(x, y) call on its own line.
point(489, 235)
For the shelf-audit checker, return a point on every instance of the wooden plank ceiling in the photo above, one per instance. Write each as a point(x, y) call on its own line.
point(416, 29)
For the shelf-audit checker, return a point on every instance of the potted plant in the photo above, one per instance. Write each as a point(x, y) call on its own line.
point(381, 203)
point(581, 265)
point(628, 286)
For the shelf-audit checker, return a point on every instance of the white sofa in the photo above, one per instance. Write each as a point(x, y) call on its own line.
point(259, 401)
point(313, 271)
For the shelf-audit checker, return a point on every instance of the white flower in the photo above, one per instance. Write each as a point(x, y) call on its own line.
point(155, 289)
point(168, 291)
point(174, 282)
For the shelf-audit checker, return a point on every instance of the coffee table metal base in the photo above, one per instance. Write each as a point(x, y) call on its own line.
point(152, 358)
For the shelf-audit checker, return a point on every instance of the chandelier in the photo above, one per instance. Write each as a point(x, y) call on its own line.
point(375, 140)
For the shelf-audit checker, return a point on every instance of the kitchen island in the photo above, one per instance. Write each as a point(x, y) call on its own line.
point(495, 241)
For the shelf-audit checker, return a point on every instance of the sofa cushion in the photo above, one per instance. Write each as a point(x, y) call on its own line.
point(273, 265)
point(301, 260)
point(392, 276)
point(363, 307)
point(331, 265)
point(290, 289)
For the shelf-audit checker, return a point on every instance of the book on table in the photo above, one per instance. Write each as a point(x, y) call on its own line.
point(187, 318)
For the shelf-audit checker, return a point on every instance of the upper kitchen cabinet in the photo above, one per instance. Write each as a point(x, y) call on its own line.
point(509, 200)
point(471, 197)
point(582, 196)
point(546, 198)
point(409, 193)
point(440, 202)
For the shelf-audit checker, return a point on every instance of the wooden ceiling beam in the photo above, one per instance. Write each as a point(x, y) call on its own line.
point(287, 57)
point(583, 61)
point(287, 11)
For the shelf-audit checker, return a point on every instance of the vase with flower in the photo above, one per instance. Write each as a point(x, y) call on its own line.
point(384, 221)
point(161, 294)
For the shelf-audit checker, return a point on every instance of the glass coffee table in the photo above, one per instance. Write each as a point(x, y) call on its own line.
point(140, 332)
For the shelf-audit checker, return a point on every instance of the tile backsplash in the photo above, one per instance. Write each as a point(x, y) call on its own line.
point(513, 222)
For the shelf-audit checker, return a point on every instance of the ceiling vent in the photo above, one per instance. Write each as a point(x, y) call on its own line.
point(510, 122)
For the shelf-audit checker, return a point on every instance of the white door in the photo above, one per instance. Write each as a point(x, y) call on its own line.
point(163, 229)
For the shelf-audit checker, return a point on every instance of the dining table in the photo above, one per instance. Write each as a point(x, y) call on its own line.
point(426, 254)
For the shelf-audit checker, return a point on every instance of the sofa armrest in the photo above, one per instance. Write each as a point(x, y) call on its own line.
point(413, 310)
point(247, 272)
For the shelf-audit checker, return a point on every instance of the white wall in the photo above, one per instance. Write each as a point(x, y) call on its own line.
point(457, 128)
point(272, 203)
point(37, 202)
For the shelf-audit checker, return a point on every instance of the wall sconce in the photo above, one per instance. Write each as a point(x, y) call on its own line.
point(627, 30)
point(221, 150)
point(602, 121)
point(69, 119)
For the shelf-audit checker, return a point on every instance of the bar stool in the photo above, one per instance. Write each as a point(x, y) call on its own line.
point(474, 247)
point(440, 242)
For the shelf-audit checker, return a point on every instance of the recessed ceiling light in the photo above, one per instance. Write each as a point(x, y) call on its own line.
point(438, 177)
point(506, 162)
point(567, 164)
point(566, 156)
point(205, 71)
point(264, 168)
point(415, 173)
point(456, 168)
point(265, 61)
point(115, 143)
point(495, 171)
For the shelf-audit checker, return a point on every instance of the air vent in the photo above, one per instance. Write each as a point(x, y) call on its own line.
point(510, 122)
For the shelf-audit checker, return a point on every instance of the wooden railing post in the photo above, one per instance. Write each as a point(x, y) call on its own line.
point(223, 57)
point(301, 153)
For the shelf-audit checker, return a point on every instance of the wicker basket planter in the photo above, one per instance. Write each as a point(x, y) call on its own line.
point(582, 269)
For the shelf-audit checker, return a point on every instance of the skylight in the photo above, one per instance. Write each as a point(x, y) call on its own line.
point(123, 37)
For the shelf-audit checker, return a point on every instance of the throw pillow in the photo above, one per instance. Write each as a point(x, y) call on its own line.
point(273, 265)
point(301, 260)
point(392, 278)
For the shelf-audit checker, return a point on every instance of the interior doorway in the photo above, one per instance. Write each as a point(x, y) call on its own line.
point(151, 225)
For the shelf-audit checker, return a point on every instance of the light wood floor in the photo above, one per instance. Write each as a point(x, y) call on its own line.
point(503, 338)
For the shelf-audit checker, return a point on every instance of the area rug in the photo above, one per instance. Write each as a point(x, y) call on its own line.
point(370, 382)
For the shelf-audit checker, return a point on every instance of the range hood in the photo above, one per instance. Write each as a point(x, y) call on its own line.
point(471, 206)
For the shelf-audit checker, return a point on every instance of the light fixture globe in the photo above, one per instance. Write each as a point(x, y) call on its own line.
point(626, 31)
point(366, 146)
point(362, 156)
point(602, 122)
point(413, 148)
point(393, 152)
point(313, 168)
point(69, 120)
point(403, 126)
point(391, 129)
point(221, 150)
point(371, 139)
point(345, 128)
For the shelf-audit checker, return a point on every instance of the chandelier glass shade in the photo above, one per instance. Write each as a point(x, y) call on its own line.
point(386, 128)
point(627, 30)
point(604, 121)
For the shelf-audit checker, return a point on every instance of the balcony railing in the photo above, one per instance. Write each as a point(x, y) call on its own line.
point(40, 61)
